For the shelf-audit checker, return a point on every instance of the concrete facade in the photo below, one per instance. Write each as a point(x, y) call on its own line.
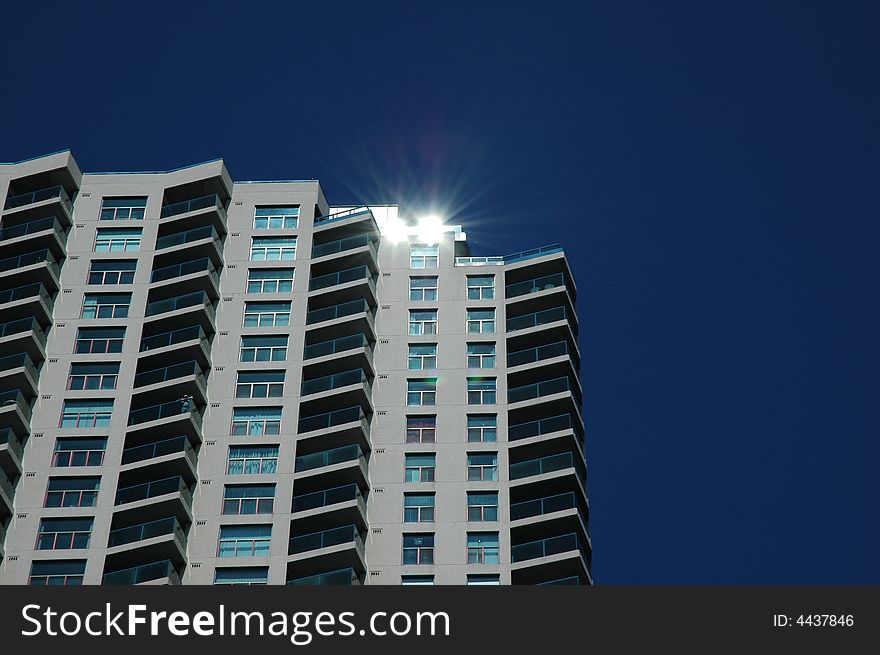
point(198, 482)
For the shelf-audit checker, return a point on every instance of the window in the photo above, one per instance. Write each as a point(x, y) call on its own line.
point(86, 413)
point(252, 460)
point(481, 355)
point(422, 356)
point(481, 391)
point(123, 209)
point(422, 391)
point(484, 580)
point(482, 467)
point(263, 349)
point(99, 340)
point(256, 421)
point(423, 256)
point(480, 287)
point(273, 249)
point(112, 271)
point(270, 280)
point(63, 534)
point(244, 540)
point(482, 428)
point(249, 499)
point(260, 384)
point(276, 218)
point(242, 575)
point(423, 288)
point(118, 240)
point(418, 508)
point(421, 429)
point(423, 322)
point(266, 314)
point(482, 548)
point(419, 467)
point(91, 376)
point(57, 572)
point(105, 305)
point(482, 506)
point(79, 452)
point(418, 548)
point(481, 321)
point(416, 580)
point(72, 492)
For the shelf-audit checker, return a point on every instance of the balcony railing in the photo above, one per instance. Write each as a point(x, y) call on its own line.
point(532, 253)
point(156, 449)
point(324, 458)
point(324, 539)
point(333, 279)
point(153, 489)
point(144, 531)
point(479, 261)
point(186, 268)
point(18, 360)
point(539, 389)
point(26, 291)
point(179, 238)
point(13, 202)
point(335, 381)
point(338, 216)
point(337, 311)
point(334, 346)
point(531, 355)
point(5, 484)
point(541, 465)
point(15, 397)
point(331, 419)
point(204, 202)
point(536, 318)
point(542, 426)
point(165, 339)
point(326, 498)
point(541, 506)
point(11, 440)
point(28, 324)
point(30, 227)
point(142, 573)
point(534, 285)
point(167, 373)
point(341, 577)
point(179, 302)
point(164, 410)
point(29, 259)
point(547, 547)
point(341, 245)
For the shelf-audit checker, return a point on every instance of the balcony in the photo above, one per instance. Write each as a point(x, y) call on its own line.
point(330, 392)
point(338, 505)
point(15, 411)
point(196, 212)
point(342, 578)
point(543, 389)
point(350, 281)
point(152, 423)
point(341, 320)
point(532, 253)
point(534, 285)
point(542, 506)
point(164, 458)
point(546, 427)
point(154, 489)
point(334, 467)
point(17, 239)
point(190, 276)
point(358, 243)
point(19, 372)
point(54, 199)
point(11, 452)
point(544, 317)
point(315, 552)
point(23, 335)
point(541, 353)
point(479, 261)
point(27, 301)
point(40, 266)
point(541, 466)
point(144, 531)
point(155, 573)
point(352, 215)
point(336, 428)
point(7, 492)
point(163, 537)
point(552, 558)
point(173, 381)
point(189, 343)
point(347, 493)
point(351, 348)
point(170, 312)
point(200, 241)
point(335, 381)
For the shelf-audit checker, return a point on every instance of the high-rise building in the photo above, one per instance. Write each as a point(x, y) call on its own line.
point(214, 382)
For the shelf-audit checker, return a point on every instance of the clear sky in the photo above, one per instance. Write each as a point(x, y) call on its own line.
point(711, 168)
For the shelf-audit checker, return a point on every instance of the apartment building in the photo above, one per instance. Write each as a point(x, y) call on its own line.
point(205, 381)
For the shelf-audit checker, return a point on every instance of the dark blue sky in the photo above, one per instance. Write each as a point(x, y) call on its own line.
point(712, 169)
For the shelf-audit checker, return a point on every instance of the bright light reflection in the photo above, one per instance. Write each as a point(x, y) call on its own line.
point(430, 229)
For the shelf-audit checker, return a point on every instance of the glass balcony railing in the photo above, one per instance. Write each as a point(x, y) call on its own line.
point(532, 253)
point(536, 318)
point(186, 268)
point(334, 346)
point(26, 291)
point(335, 381)
point(532, 355)
point(179, 238)
point(144, 531)
point(156, 449)
point(204, 202)
point(572, 580)
point(15, 397)
point(325, 498)
point(9, 439)
point(333, 279)
point(173, 337)
point(31, 227)
point(6, 485)
point(542, 426)
point(153, 489)
point(540, 506)
point(33, 197)
point(534, 285)
point(179, 302)
point(29, 259)
point(341, 245)
point(166, 373)
point(541, 465)
point(341, 577)
point(532, 391)
point(331, 419)
point(337, 311)
point(479, 261)
point(142, 573)
point(165, 410)
point(18, 360)
point(340, 215)
point(324, 458)
point(22, 325)
point(324, 539)
point(547, 547)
